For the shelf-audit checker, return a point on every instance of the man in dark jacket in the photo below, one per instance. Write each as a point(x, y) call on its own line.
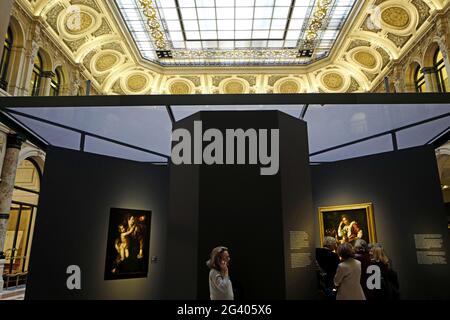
point(328, 261)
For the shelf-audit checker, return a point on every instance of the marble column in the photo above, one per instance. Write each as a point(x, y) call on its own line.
point(30, 54)
point(2, 267)
point(431, 79)
point(17, 70)
point(5, 13)
point(46, 81)
point(8, 177)
point(443, 32)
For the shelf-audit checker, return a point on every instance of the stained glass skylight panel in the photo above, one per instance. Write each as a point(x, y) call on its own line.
point(198, 32)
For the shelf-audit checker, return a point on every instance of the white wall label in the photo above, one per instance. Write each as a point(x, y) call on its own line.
point(299, 240)
point(428, 241)
point(300, 260)
point(430, 249)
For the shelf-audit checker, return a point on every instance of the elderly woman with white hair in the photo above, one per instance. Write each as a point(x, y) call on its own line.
point(363, 256)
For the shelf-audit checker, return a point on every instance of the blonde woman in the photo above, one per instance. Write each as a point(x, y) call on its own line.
point(389, 279)
point(220, 287)
point(348, 275)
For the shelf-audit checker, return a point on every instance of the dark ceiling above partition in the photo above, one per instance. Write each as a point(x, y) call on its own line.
point(143, 132)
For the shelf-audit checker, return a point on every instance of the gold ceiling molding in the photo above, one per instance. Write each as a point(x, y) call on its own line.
point(152, 22)
point(117, 88)
point(384, 56)
point(87, 59)
point(234, 86)
point(354, 86)
point(333, 81)
point(216, 80)
point(115, 46)
point(77, 23)
point(396, 17)
point(103, 29)
point(101, 79)
point(250, 79)
point(135, 81)
point(179, 86)
point(89, 3)
point(52, 16)
point(358, 43)
point(365, 59)
point(75, 45)
point(236, 54)
point(423, 9)
point(106, 61)
point(318, 18)
point(195, 80)
point(99, 31)
point(274, 78)
point(370, 76)
point(399, 41)
point(370, 24)
point(288, 86)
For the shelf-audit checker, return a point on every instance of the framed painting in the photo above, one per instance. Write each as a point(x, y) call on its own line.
point(127, 252)
point(348, 223)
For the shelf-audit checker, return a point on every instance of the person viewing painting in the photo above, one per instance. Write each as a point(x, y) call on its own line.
point(348, 275)
point(390, 288)
point(362, 255)
point(328, 261)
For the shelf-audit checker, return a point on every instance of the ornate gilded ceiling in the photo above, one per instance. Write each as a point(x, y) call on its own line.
point(229, 32)
point(93, 34)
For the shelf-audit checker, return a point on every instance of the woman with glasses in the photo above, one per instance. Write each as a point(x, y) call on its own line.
point(220, 286)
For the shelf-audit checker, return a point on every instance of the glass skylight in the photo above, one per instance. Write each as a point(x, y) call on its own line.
point(143, 133)
point(198, 32)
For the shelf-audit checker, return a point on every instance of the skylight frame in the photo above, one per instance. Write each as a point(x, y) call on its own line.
point(193, 42)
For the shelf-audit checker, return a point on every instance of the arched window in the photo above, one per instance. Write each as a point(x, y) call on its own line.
point(6, 58)
point(439, 65)
point(55, 85)
point(35, 83)
point(419, 80)
point(22, 218)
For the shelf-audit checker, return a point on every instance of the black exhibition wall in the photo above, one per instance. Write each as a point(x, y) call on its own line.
point(78, 191)
point(405, 191)
point(253, 215)
point(182, 231)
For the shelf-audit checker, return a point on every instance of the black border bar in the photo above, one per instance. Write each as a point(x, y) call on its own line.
point(247, 99)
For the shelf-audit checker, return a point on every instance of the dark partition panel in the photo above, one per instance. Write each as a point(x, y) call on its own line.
point(405, 191)
point(78, 191)
point(254, 215)
point(182, 232)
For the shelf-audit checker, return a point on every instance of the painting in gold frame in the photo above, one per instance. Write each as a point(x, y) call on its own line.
point(348, 223)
